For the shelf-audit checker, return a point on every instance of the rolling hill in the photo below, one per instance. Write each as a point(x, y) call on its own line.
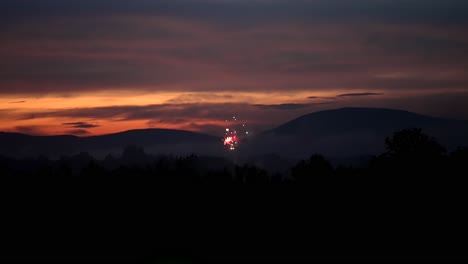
point(164, 141)
point(349, 132)
point(340, 133)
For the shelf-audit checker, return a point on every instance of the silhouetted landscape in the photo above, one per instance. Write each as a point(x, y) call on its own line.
point(313, 210)
point(334, 133)
point(194, 131)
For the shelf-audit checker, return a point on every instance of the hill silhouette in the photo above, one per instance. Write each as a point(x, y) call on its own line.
point(166, 141)
point(349, 132)
point(405, 204)
point(343, 135)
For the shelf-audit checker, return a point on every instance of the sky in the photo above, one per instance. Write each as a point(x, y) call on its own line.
point(94, 67)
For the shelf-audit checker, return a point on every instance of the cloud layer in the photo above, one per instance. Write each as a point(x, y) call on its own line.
point(232, 45)
point(80, 125)
point(202, 60)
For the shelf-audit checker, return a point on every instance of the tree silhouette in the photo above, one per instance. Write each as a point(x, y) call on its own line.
point(93, 170)
point(315, 168)
point(458, 163)
point(411, 154)
point(133, 155)
point(413, 142)
point(4, 161)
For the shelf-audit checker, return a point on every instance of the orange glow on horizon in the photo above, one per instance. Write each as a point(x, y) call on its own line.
point(15, 108)
point(23, 114)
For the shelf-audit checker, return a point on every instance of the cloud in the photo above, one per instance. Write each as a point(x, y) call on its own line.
point(210, 117)
point(183, 116)
point(17, 102)
point(343, 95)
point(420, 83)
point(282, 106)
point(321, 97)
point(449, 11)
point(199, 98)
point(420, 43)
point(77, 132)
point(167, 112)
point(175, 121)
point(291, 106)
point(80, 125)
point(218, 51)
point(358, 94)
point(29, 130)
point(216, 46)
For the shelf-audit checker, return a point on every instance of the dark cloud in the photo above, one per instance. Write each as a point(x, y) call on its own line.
point(448, 11)
point(197, 116)
point(80, 125)
point(77, 132)
point(175, 111)
point(193, 46)
point(446, 105)
point(322, 97)
point(419, 83)
point(209, 46)
point(282, 106)
point(149, 112)
point(159, 121)
point(17, 102)
point(288, 106)
point(29, 130)
point(198, 97)
point(421, 45)
point(358, 94)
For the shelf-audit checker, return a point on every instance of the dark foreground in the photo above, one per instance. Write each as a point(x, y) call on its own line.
point(406, 204)
point(148, 224)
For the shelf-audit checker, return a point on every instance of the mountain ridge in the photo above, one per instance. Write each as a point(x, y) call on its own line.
point(342, 132)
point(353, 131)
point(355, 111)
point(18, 144)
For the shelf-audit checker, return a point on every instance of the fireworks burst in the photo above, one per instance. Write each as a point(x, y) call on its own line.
point(231, 138)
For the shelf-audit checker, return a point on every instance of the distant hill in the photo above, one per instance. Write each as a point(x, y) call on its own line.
point(352, 132)
point(164, 141)
point(339, 134)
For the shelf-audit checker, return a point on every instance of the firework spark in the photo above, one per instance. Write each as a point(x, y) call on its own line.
point(230, 141)
point(231, 138)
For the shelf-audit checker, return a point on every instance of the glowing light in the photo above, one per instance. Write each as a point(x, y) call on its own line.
point(231, 141)
point(231, 138)
point(228, 140)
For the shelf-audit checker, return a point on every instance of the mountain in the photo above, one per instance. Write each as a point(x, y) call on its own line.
point(152, 140)
point(352, 132)
point(342, 135)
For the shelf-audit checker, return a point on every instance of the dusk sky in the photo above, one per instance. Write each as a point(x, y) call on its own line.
point(93, 67)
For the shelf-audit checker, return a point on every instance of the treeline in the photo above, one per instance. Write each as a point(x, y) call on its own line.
point(405, 203)
point(410, 156)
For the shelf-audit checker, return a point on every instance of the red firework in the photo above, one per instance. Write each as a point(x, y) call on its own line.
point(232, 138)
